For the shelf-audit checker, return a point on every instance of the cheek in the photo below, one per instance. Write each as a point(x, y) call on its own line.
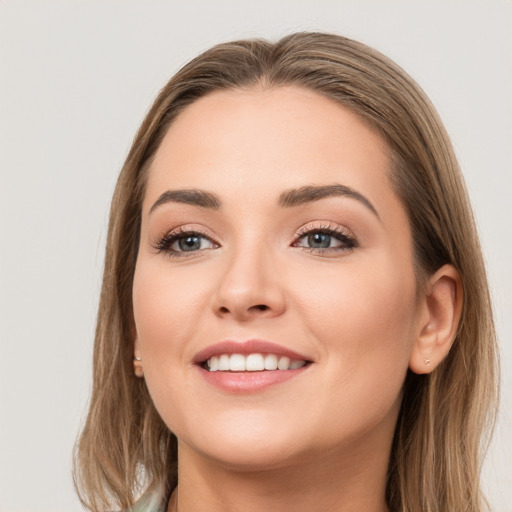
point(166, 307)
point(368, 303)
point(364, 321)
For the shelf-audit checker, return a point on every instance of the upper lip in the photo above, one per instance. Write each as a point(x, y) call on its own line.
point(246, 347)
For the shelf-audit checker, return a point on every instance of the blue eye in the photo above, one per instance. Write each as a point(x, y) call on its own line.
point(322, 240)
point(325, 240)
point(319, 240)
point(190, 243)
point(179, 242)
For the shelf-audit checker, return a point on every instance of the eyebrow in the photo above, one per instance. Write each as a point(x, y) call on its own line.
point(193, 197)
point(308, 194)
point(288, 199)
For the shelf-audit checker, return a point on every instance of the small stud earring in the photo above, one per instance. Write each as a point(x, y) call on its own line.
point(137, 367)
point(427, 362)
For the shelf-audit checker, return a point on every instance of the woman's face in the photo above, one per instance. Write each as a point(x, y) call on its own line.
point(271, 236)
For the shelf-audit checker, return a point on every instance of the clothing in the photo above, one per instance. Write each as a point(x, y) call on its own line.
point(150, 502)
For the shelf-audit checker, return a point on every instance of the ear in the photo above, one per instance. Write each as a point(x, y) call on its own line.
point(442, 307)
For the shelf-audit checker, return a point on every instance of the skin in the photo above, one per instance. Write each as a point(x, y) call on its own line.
point(321, 440)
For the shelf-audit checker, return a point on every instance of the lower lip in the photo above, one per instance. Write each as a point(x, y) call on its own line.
point(249, 382)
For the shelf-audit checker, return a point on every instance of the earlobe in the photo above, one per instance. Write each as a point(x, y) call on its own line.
point(442, 306)
point(137, 359)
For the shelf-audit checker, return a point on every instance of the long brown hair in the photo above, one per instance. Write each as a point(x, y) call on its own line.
point(439, 442)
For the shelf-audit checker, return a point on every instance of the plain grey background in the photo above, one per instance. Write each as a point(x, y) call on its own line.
point(76, 78)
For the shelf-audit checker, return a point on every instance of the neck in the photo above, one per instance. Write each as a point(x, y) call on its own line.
point(348, 481)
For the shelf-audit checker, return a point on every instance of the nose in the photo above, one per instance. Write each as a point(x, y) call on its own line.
point(249, 287)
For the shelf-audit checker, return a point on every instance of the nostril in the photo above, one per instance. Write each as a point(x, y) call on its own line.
point(257, 307)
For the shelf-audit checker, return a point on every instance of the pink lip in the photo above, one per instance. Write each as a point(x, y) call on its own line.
point(246, 347)
point(247, 382)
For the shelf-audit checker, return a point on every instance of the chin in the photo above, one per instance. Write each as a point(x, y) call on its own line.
point(250, 444)
point(250, 458)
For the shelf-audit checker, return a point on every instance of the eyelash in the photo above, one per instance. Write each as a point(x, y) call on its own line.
point(348, 240)
point(165, 243)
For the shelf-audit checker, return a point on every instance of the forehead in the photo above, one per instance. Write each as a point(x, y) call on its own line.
point(266, 139)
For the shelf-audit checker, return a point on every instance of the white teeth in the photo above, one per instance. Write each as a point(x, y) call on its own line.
point(283, 363)
point(213, 364)
point(252, 363)
point(255, 363)
point(270, 362)
point(237, 363)
point(224, 362)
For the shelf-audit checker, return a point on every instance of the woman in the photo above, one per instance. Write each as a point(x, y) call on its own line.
point(294, 312)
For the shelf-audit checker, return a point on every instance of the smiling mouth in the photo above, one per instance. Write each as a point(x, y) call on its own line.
point(251, 363)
